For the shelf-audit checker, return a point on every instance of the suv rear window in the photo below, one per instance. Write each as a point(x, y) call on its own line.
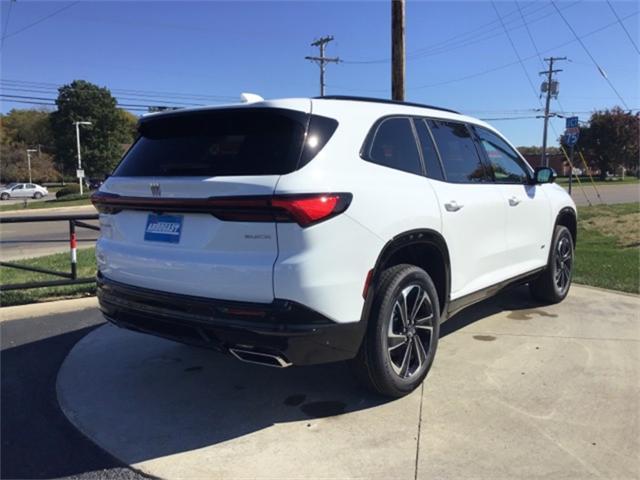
point(229, 142)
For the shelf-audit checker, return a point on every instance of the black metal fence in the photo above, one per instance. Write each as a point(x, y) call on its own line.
point(68, 278)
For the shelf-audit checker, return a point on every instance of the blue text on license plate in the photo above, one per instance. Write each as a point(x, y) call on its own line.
point(163, 228)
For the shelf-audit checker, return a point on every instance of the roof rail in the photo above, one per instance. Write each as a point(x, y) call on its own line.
point(381, 100)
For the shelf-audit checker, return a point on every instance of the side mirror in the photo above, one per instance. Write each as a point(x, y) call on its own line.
point(545, 175)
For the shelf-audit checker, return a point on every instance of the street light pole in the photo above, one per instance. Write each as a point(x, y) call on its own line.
point(29, 152)
point(77, 124)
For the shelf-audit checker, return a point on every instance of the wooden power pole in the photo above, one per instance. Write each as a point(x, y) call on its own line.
point(322, 60)
point(397, 49)
point(551, 90)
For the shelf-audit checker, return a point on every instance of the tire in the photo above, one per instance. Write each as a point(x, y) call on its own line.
point(552, 286)
point(4, 196)
point(383, 364)
point(37, 195)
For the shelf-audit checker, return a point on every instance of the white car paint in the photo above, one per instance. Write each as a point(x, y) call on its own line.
point(491, 238)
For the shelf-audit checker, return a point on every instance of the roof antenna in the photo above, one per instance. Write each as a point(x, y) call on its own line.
point(250, 98)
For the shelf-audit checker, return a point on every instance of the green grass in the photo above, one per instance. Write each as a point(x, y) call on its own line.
point(58, 262)
point(608, 250)
point(46, 204)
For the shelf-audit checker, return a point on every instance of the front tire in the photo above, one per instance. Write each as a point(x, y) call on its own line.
point(552, 286)
point(4, 196)
point(402, 333)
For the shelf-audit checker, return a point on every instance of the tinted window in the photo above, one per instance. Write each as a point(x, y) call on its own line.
point(18, 187)
point(505, 162)
point(31, 186)
point(460, 158)
point(394, 146)
point(257, 141)
point(429, 154)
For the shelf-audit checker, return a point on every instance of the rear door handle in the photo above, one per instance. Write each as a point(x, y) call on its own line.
point(514, 201)
point(452, 206)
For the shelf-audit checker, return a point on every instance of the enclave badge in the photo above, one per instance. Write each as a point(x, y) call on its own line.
point(155, 189)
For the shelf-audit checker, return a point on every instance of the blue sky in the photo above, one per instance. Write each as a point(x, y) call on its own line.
point(219, 49)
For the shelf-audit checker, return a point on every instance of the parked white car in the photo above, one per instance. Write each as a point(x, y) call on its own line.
point(303, 231)
point(23, 190)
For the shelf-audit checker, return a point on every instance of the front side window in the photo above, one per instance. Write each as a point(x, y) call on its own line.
point(18, 187)
point(505, 162)
point(394, 146)
point(460, 159)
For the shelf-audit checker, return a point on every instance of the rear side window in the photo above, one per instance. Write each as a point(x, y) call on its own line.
point(258, 141)
point(460, 159)
point(429, 154)
point(394, 146)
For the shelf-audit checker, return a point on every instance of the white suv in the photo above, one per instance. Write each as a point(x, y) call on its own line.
point(303, 231)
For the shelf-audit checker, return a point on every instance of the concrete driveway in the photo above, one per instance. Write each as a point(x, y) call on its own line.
point(517, 391)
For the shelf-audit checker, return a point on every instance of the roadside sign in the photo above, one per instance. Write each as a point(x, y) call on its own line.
point(570, 139)
point(573, 130)
point(80, 173)
point(571, 122)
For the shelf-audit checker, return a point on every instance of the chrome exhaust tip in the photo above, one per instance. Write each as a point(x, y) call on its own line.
point(260, 358)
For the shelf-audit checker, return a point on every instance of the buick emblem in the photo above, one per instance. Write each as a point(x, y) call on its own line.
point(155, 189)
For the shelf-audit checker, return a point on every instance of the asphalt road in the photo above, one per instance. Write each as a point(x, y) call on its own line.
point(37, 439)
point(24, 240)
point(17, 201)
point(582, 195)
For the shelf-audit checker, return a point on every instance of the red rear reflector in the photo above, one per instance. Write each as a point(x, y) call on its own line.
point(367, 284)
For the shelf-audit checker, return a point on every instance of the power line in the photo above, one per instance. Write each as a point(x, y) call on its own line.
point(506, 65)
point(6, 22)
point(515, 50)
point(24, 98)
point(590, 55)
point(117, 97)
point(459, 41)
point(151, 93)
point(46, 17)
point(623, 27)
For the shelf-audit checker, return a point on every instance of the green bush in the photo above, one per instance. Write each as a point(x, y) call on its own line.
point(72, 196)
point(71, 189)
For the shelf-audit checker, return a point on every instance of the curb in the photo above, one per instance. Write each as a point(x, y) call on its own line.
point(40, 211)
point(43, 309)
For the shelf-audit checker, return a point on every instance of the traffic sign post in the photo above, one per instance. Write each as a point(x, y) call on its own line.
point(570, 138)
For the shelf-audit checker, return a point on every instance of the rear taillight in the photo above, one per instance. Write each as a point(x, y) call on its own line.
point(304, 209)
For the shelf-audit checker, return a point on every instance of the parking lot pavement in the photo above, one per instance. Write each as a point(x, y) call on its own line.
point(517, 391)
point(625, 193)
point(37, 441)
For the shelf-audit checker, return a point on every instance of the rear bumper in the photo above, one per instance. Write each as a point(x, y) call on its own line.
point(284, 328)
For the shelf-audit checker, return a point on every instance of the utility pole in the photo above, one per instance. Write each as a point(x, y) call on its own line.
point(79, 173)
point(29, 152)
point(397, 49)
point(544, 161)
point(322, 60)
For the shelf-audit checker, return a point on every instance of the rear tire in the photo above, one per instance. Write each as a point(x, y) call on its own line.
point(552, 286)
point(37, 195)
point(402, 333)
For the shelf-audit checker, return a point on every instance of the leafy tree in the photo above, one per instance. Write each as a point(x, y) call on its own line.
point(103, 142)
point(13, 165)
point(611, 140)
point(27, 126)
